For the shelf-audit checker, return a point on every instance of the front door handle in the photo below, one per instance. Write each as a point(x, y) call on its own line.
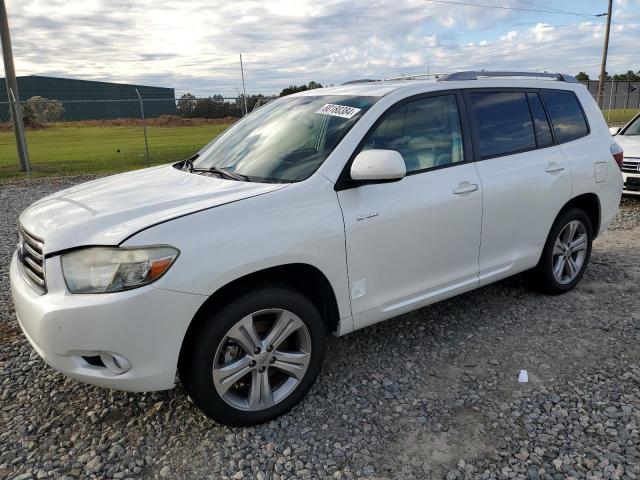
point(553, 167)
point(466, 187)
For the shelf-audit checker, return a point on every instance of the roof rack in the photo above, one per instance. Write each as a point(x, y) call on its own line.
point(362, 80)
point(401, 77)
point(417, 75)
point(473, 75)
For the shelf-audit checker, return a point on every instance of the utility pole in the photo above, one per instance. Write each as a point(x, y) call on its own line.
point(244, 91)
point(603, 65)
point(12, 90)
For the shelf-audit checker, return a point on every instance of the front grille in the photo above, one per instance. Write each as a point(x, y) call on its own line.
point(30, 253)
point(630, 165)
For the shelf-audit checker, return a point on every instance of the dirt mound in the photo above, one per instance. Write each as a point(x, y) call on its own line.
point(162, 121)
point(28, 124)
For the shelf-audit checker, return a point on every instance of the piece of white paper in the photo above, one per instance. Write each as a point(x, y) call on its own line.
point(523, 377)
point(338, 110)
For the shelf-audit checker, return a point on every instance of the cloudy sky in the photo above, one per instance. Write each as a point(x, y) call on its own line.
point(193, 45)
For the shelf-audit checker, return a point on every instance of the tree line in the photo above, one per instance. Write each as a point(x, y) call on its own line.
point(216, 106)
point(630, 76)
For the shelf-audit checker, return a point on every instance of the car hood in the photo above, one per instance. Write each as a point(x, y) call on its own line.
point(630, 144)
point(109, 210)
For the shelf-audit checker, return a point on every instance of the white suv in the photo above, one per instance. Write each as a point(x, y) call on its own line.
point(321, 212)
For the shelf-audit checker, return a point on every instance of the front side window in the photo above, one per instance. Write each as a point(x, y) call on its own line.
point(286, 140)
point(426, 132)
point(503, 122)
point(566, 115)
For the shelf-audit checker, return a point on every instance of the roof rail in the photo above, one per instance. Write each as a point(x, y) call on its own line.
point(417, 75)
point(473, 75)
point(363, 80)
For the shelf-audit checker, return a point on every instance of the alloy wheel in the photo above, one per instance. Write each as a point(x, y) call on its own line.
point(569, 252)
point(262, 359)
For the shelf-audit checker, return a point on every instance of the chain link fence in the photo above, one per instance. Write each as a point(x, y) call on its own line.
point(621, 99)
point(104, 136)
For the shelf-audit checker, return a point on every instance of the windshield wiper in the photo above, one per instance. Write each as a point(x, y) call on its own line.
point(188, 163)
point(223, 173)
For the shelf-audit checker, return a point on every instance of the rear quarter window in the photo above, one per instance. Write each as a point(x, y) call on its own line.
point(540, 122)
point(566, 115)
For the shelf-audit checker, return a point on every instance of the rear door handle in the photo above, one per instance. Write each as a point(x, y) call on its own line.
point(466, 187)
point(553, 167)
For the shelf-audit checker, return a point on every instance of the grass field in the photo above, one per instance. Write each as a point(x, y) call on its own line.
point(65, 150)
point(620, 116)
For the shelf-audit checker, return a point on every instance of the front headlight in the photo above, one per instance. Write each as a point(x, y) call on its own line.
point(112, 269)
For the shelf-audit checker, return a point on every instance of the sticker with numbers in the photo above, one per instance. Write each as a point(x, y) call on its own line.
point(338, 110)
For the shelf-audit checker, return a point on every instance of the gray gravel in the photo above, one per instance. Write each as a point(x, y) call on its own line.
point(432, 394)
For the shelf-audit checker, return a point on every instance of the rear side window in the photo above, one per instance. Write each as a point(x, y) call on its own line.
point(566, 115)
point(503, 122)
point(540, 122)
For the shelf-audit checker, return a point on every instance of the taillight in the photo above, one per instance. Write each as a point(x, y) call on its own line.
point(618, 154)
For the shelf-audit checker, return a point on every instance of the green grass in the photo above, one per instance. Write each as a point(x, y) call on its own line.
point(619, 115)
point(69, 150)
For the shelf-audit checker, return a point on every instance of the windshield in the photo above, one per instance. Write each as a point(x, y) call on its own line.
point(285, 140)
point(633, 128)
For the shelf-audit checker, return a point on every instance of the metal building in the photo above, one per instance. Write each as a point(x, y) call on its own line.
point(90, 100)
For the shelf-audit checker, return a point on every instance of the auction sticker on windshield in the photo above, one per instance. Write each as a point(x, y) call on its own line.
point(338, 110)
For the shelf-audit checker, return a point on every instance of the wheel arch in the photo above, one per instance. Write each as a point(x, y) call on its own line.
point(304, 278)
point(590, 204)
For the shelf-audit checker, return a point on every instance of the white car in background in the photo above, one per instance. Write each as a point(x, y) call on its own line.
point(628, 137)
point(321, 212)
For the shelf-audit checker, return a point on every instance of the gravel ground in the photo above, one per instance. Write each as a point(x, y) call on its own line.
point(432, 394)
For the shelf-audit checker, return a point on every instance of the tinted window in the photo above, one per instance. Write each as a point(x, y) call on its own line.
point(566, 115)
point(540, 122)
point(503, 122)
point(633, 128)
point(426, 132)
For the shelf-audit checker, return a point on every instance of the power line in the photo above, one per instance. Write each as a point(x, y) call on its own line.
point(598, 16)
point(586, 15)
point(500, 7)
point(544, 9)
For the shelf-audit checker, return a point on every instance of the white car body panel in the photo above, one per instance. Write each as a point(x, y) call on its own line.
point(210, 242)
point(384, 233)
point(106, 211)
point(417, 241)
point(520, 200)
point(142, 325)
point(631, 164)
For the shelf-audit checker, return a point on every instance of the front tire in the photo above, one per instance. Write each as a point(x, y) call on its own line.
point(566, 253)
point(256, 358)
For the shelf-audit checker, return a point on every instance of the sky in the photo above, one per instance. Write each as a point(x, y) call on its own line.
point(194, 45)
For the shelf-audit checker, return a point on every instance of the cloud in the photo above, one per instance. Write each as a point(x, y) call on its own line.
point(509, 36)
point(193, 45)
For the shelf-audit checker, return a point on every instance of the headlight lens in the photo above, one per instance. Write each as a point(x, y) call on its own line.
point(107, 269)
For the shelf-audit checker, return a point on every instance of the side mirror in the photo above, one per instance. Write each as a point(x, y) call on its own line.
point(378, 165)
point(614, 130)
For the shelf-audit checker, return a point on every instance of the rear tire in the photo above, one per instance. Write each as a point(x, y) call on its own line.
point(256, 358)
point(566, 253)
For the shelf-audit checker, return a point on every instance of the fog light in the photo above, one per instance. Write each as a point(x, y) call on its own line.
point(114, 362)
